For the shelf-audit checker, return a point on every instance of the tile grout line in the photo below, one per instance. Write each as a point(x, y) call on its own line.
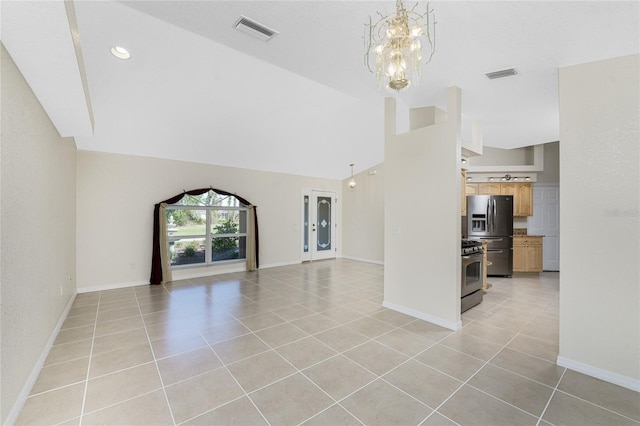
point(298, 371)
point(93, 339)
point(377, 376)
point(332, 304)
point(155, 361)
point(224, 365)
point(544, 410)
point(594, 404)
point(466, 382)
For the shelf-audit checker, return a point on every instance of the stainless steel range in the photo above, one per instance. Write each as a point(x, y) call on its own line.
point(471, 274)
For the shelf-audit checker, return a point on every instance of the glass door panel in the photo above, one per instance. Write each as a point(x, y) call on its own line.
point(323, 241)
point(323, 230)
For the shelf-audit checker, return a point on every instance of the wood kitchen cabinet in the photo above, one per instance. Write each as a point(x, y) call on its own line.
point(527, 253)
point(489, 188)
point(522, 197)
point(471, 189)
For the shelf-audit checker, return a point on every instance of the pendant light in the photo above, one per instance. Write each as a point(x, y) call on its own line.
point(352, 182)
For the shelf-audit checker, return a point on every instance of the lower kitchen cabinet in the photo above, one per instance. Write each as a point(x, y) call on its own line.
point(527, 253)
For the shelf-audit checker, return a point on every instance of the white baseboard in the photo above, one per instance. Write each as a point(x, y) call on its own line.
point(455, 326)
point(277, 265)
point(361, 259)
point(199, 273)
point(599, 373)
point(113, 286)
point(35, 372)
point(203, 272)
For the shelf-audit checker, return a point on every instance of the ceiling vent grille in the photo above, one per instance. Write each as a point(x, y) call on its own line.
point(501, 74)
point(255, 29)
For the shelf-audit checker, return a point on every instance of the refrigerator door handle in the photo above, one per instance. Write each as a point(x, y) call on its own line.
point(488, 220)
point(493, 216)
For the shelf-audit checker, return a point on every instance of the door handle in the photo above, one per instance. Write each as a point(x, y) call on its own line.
point(493, 216)
point(488, 217)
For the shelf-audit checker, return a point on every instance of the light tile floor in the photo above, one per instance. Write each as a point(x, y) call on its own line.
point(311, 344)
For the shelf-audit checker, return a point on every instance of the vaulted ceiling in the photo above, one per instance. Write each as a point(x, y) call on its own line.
point(196, 89)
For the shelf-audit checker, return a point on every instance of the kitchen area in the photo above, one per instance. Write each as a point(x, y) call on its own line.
point(500, 234)
point(421, 163)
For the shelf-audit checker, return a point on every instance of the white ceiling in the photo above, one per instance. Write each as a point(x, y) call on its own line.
point(196, 89)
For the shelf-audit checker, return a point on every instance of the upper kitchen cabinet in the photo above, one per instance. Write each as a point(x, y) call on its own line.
point(489, 189)
point(522, 194)
point(522, 197)
point(471, 189)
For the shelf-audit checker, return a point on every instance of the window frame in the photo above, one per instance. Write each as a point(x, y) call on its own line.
point(209, 236)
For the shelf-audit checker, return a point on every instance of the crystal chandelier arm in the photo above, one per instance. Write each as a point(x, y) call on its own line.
point(368, 44)
point(432, 42)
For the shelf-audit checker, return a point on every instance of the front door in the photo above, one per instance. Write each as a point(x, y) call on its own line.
point(319, 227)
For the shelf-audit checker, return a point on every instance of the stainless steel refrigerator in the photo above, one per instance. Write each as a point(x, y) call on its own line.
point(490, 219)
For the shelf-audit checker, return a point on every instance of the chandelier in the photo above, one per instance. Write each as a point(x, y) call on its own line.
point(397, 45)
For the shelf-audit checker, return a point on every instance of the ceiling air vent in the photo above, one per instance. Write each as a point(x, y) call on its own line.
point(254, 29)
point(501, 74)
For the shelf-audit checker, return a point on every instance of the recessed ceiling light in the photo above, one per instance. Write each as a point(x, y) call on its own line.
point(120, 52)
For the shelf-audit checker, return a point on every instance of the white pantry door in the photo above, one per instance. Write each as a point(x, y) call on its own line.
point(546, 221)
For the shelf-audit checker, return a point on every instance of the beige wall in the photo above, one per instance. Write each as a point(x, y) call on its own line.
point(503, 157)
point(363, 216)
point(422, 217)
point(116, 195)
point(551, 172)
point(38, 177)
point(599, 195)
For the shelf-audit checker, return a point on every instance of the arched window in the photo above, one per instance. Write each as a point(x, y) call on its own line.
point(203, 227)
point(206, 229)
